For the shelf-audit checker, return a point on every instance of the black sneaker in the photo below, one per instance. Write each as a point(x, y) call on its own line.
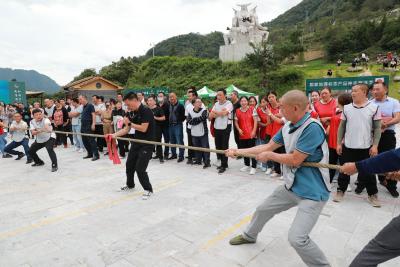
point(54, 168)
point(20, 156)
point(95, 158)
point(37, 164)
point(206, 166)
point(189, 161)
point(29, 161)
point(161, 160)
point(180, 160)
point(88, 157)
point(358, 190)
point(393, 192)
point(221, 170)
point(126, 188)
point(6, 156)
point(172, 157)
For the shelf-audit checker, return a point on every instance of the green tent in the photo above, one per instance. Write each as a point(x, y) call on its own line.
point(206, 92)
point(232, 88)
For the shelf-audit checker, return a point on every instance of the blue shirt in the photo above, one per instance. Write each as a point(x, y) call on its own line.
point(388, 108)
point(86, 115)
point(308, 182)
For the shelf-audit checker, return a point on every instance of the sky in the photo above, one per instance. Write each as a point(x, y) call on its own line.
point(60, 38)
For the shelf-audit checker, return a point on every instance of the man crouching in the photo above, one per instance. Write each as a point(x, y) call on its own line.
point(305, 187)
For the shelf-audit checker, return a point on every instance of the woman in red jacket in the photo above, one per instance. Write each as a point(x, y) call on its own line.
point(277, 121)
point(246, 124)
point(263, 122)
point(325, 107)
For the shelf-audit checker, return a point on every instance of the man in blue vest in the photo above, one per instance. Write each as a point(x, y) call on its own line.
point(305, 187)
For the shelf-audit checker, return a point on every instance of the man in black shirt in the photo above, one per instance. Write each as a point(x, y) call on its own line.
point(141, 120)
point(164, 105)
point(159, 119)
point(88, 120)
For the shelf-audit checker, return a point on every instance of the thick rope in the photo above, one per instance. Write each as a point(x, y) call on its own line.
point(201, 149)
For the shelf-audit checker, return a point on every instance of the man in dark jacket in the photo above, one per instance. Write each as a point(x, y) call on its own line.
point(386, 245)
point(176, 119)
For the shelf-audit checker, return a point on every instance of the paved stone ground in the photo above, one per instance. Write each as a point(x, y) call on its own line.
point(77, 217)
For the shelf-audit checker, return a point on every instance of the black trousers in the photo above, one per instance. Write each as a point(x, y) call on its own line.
point(333, 159)
point(387, 142)
point(101, 143)
point(222, 142)
point(89, 142)
point(137, 161)
point(122, 146)
point(237, 136)
point(68, 128)
point(247, 143)
point(165, 133)
point(277, 165)
point(190, 143)
point(35, 147)
point(364, 181)
point(158, 136)
point(61, 139)
point(383, 247)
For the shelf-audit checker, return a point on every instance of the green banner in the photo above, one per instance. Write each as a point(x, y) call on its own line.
point(17, 92)
point(343, 83)
point(147, 91)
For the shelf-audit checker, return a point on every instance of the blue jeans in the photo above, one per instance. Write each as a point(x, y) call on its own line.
point(176, 137)
point(77, 138)
point(201, 141)
point(13, 145)
point(3, 142)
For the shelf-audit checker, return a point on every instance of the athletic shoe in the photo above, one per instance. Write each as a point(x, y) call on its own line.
point(221, 170)
point(95, 158)
point(161, 160)
point(146, 195)
point(373, 200)
point(54, 168)
point(20, 156)
point(349, 189)
point(268, 171)
point(180, 160)
point(126, 188)
point(358, 190)
point(206, 165)
point(189, 161)
point(77, 149)
point(263, 169)
point(240, 240)
point(29, 161)
point(393, 192)
point(172, 157)
point(81, 150)
point(88, 157)
point(6, 156)
point(338, 197)
point(37, 164)
point(245, 169)
point(252, 171)
point(275, 175)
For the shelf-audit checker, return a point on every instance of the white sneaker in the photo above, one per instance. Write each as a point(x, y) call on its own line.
point(76, 149)
point(126, 188)
point(146, 195)
point(245, 169)
point(275, 175)
point(263, 169)
point(252, 171)
point(268, 171)
point(81, 150)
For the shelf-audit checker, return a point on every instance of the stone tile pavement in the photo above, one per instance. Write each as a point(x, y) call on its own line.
point(77, 217)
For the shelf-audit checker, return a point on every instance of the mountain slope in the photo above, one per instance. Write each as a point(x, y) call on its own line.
point(34, 80)
point(192, 44)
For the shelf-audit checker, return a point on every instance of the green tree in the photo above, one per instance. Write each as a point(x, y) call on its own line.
point(84, 74)
point(121, 70)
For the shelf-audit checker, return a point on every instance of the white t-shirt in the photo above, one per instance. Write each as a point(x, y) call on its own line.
point(359, 123)
point(99, 107)
point(222, 122)
point(42, 137)
point(19, 134)
point(76, 120)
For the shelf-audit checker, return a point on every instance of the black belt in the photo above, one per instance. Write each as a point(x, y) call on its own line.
point(389, 132)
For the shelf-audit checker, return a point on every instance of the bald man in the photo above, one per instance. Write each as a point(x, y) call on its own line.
point(307, 188)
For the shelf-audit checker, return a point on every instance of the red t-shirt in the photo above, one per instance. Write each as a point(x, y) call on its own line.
point(333, 130)
point(262, 131)
point(325, 110)
point(246, 122)
point(276, 126)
